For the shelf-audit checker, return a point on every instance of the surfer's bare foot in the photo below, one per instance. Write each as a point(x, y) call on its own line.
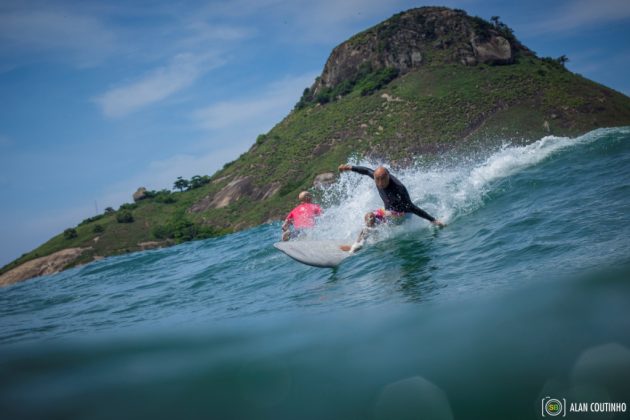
point(345, 248)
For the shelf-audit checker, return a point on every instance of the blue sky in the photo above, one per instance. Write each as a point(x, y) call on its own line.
point(101, 97)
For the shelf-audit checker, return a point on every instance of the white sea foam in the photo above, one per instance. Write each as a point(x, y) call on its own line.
point(446, 190)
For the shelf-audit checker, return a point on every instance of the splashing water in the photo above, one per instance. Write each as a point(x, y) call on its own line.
point(446, 191)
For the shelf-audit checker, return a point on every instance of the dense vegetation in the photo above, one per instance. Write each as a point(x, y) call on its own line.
point(365, 82)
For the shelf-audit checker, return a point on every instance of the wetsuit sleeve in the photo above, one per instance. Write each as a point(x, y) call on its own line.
point(406, 200)
point(363, 171)
point(419, 212)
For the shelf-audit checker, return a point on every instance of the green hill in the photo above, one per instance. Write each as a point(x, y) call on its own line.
point(422, 83)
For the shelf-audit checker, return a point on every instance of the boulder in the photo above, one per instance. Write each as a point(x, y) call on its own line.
point(324, 179)
point(140, 194)
point(496, 50)
point(320, 149)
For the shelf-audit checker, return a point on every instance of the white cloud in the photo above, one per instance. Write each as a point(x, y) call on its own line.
point(334, 11)
point(238, 8)
point(88, 33)
point(321, 21)
point(155, 86)
point(305, 20)
point(579, 13)
point(202, 31)
point(262, 110)
point(332, 20)
point(40, 31)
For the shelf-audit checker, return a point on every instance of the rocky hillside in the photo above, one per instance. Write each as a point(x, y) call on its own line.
point(421, 83)
point(418, 38)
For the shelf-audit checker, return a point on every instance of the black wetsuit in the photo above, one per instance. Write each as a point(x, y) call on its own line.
point(395, 196)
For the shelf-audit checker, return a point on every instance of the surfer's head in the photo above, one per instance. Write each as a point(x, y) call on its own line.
point(381, 177)
point(305, 197)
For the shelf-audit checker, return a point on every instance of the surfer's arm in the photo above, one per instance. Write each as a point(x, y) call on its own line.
point(419, 212)
point(358, 169)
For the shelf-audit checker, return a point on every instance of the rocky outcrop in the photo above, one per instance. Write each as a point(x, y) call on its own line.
point(235, 190)
point(416, 38)
point(49, 264)
point(140, 194)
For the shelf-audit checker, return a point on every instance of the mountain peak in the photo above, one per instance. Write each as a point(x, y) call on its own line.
point(418, 37)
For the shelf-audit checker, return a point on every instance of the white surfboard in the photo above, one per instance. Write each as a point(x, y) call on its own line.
point(315, 253)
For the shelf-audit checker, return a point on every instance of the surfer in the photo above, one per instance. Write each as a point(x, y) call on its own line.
point(397, 202)
point(302, 217)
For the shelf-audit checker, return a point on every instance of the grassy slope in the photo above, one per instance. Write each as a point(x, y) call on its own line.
point(436, 108)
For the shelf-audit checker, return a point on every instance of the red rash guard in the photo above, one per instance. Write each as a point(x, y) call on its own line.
point(304, 215)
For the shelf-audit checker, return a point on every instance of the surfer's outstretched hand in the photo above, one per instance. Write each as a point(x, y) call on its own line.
point(345, 248)
point(345, 167)
point(438, 223)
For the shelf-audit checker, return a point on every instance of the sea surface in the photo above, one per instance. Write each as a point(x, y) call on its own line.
point(523, 297)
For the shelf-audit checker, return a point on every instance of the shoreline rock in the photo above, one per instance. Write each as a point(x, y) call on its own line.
point(50, 264)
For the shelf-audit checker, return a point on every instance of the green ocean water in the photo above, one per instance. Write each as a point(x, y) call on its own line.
point(524, 295)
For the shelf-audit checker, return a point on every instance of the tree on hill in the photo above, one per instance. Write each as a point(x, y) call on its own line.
point(165, 196)
point(496, 21)
point(70, 233)
point(181, 184)
point(198, 181)
point(563, 59)
point(124, 216)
